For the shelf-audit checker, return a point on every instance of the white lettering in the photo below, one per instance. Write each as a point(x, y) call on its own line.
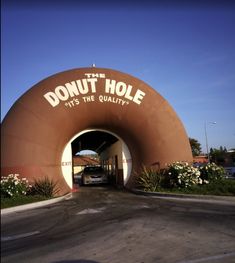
point(101, 98)
point(128, 92)
point(62, 93)
point(138, 96)
point(88, 75)
point(52, 98)
point(112, 100)
point(120, 88)
point(110, 86)
point(72, 88)
point(80, 87)
point(89, 98)
point(93, 84)
point(85, 87)
point(95, 75)
point(88, 85)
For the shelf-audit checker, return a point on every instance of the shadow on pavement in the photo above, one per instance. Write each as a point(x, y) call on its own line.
point(76, 261)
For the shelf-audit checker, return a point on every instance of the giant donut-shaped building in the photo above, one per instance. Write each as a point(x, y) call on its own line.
point(119, 116)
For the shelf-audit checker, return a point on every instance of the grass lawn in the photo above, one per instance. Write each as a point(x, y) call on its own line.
point(224, 187)
point(21, 200)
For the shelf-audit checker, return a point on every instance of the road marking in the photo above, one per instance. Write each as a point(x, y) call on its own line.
point(14, 237)
point(209, 258)
point(91, 211)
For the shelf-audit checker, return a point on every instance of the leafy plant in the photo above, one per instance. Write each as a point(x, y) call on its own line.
point(182, 175)
point(44, 187)
point(212, 172)
point(12, 186)
point(149, 179)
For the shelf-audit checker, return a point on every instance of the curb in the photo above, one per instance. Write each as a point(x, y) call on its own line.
point(19, 208)
point(204, 198)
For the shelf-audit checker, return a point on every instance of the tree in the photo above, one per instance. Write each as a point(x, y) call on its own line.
point(195, 146)
point(218, 156)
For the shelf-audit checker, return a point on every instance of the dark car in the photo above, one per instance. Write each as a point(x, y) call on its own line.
point(94, 175)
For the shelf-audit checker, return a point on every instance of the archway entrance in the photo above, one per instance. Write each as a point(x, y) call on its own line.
point(113, 153)
point(39, 127)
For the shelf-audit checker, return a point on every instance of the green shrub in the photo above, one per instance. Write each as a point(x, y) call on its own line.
point(183, 175)
point(44, 187)
point(13, 186)
point(149, 179)
point(212, 172)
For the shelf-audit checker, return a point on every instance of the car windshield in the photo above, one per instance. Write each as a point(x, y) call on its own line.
point(93, 169)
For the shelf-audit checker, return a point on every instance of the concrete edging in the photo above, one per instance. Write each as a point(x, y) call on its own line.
point(35, 205)
point(204, 198)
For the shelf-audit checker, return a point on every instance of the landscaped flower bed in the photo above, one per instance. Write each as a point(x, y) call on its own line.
point(184, 178)
point(12, 186)
point(17, 191)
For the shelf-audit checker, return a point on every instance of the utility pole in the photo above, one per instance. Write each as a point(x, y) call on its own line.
point(207, 147)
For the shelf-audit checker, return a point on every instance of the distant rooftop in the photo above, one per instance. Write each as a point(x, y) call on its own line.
point(80, 160)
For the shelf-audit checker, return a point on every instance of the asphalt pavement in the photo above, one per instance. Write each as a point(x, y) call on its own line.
point(105, 225)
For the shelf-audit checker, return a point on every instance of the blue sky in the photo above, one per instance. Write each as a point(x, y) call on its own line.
point(185, 52)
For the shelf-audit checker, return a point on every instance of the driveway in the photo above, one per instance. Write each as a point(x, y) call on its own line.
point(104, 225)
